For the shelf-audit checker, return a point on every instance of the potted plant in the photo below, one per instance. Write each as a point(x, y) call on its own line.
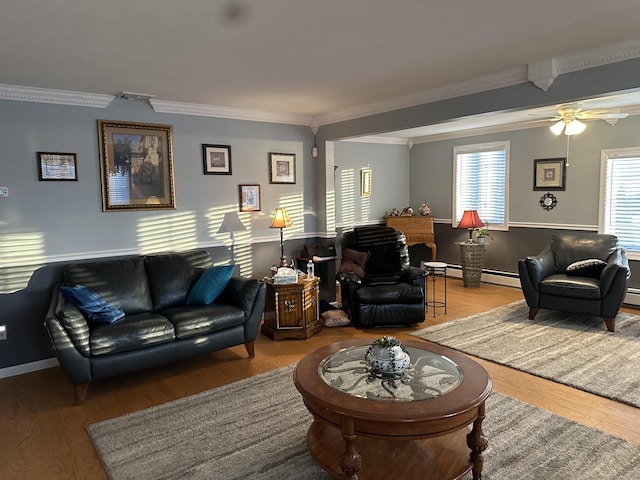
point(481, 234)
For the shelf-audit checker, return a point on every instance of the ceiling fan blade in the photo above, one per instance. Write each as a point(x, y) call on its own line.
point(587, 115)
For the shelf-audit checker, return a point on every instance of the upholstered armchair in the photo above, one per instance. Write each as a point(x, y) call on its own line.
point(378, 285)
point(578, 273)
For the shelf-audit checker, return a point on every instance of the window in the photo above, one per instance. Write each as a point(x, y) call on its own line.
point(620, 197)
point(480, 182)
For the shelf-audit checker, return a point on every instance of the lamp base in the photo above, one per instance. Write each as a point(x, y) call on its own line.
point(283, 261)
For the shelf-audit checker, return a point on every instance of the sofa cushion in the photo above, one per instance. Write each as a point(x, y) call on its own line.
point(398, 293)
point(591, 267)
point(354, 261)
point(121, 283)
point(172, 275)
point(202, 319)
point(210, 285)
point(91, 304)
point(563, 285)
point(131, 333)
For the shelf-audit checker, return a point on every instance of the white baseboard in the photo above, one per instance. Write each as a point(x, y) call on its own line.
point(28, 367)
point(632, 298)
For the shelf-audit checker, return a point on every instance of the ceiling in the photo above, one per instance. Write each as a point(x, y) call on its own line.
point(323, 60)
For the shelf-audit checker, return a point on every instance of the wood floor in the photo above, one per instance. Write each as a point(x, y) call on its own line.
point(43, 435)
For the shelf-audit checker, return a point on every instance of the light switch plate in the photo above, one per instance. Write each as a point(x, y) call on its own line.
point(4, 192)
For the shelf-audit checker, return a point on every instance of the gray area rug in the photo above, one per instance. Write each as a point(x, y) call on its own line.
point(256, 429)
point(572, 349)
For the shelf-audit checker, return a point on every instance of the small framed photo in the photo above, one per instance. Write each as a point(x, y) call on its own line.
point(366, 179)
point(57, 166)
point(282, 168)
point(250, 198)
point(550, 174)
point(136, 166)
point(217, 159)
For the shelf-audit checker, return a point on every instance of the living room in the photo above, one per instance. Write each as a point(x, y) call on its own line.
point(47, 224)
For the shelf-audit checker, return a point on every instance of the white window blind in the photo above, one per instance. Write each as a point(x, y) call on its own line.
point(620, 197)
point(480, 176)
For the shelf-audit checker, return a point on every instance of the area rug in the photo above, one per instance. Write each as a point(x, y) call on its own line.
point(575, 350)
point(256, 429)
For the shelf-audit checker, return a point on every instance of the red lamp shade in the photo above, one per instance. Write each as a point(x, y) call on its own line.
point(470, 220)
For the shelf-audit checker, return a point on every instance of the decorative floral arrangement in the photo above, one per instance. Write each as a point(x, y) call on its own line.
point(388, 355)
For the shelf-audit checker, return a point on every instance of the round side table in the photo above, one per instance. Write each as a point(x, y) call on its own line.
point(436, 269)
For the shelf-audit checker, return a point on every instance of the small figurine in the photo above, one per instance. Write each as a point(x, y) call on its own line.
point(425, 209)
point(407, 212)
point(394, 212)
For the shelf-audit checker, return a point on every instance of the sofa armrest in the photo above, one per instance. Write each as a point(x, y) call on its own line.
point(250, 295)
point(540, 266)
point(413, 275)
point(617, 260)
point(69, 334)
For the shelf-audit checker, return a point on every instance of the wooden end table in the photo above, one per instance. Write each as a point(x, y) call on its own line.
point(410, 425)
point(292, 310)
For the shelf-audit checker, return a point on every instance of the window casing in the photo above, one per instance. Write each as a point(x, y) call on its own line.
point(480, 182)
point(620, 197)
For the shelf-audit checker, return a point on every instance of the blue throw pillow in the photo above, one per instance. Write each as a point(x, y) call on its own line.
point(91, 304)
point(210, 284)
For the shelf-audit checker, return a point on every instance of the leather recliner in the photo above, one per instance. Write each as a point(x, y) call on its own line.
point(391, 291)
point(562, 277)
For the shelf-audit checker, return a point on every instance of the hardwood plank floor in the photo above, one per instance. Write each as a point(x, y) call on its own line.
point(43, 435)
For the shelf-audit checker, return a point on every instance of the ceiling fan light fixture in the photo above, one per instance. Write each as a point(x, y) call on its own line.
point(575, 127)
point(557, 128)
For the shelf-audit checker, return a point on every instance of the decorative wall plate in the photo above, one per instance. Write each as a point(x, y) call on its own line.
point(548, 201)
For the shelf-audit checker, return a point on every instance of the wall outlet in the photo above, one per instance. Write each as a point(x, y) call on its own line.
point(3, 332)
point(4, 192)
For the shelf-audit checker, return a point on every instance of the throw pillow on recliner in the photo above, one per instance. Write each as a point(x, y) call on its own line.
point(353, 261)
point(591, 267)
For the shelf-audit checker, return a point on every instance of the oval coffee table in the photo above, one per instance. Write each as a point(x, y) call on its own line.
point(410, 425)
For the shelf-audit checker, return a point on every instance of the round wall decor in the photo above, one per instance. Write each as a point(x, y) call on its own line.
point(548, 201)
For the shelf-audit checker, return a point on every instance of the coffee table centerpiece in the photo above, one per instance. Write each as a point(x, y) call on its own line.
point(387, 355)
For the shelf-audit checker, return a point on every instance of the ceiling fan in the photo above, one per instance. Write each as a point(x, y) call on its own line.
point(569, 115)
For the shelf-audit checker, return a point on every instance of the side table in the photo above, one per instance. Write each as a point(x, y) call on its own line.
point(472, 260)
point(436, 269)
point(292, 309)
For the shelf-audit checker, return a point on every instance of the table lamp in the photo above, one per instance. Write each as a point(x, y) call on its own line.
point(281, 220)
point(470, 220)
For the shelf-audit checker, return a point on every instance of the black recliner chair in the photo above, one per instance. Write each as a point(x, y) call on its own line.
point(378, 285)
point(577, 273)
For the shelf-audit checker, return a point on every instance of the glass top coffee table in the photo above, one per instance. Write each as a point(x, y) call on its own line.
point(411, 424)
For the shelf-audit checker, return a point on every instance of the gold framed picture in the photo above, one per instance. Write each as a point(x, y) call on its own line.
point(136, 166)
point(366, 180)
point(250, 198)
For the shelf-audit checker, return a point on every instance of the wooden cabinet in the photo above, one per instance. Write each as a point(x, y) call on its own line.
point(292, 310)
point(417, 229)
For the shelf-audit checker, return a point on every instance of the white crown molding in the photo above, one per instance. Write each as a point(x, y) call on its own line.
point(565, 64)
point(503, 79)
point(597, 57)
point(45, 95)
point(201, 110)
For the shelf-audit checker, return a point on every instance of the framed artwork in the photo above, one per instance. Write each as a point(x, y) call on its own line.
point(366, 177)
point(57, 166)
point(282, 168)
point(217, 159)
point(136, 166)
point(250, 198)
point(550, 174)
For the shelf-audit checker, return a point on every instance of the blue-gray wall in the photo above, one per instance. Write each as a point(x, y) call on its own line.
point(46, 224)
